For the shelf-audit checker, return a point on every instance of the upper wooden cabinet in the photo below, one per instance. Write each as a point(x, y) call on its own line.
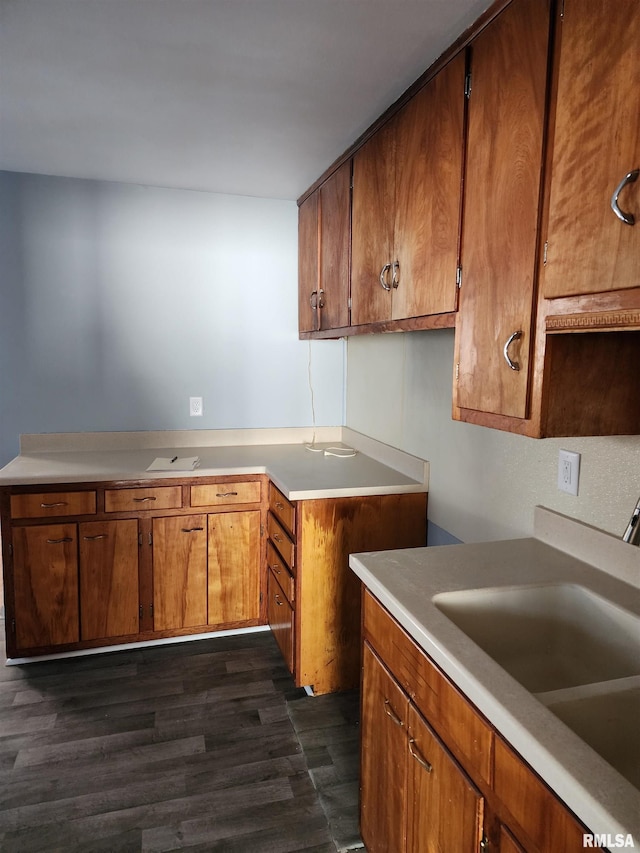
point(407, 182)
point(324, 222)
point(596, 144)
point(509, 62)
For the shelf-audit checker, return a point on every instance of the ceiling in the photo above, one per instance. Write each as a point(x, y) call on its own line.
point(250, 97)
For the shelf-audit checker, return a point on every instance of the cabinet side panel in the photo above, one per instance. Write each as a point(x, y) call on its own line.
point(335, 242)
point(307, 262)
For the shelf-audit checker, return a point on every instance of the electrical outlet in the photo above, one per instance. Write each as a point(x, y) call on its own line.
point(568, 471)
point(195, 407)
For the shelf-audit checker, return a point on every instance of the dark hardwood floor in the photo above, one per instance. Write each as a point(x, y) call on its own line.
point(181, 747)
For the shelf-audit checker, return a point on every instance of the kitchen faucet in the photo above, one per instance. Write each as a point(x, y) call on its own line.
point(632, 533)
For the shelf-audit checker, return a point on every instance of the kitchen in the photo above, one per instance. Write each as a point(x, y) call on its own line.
point(116, 301)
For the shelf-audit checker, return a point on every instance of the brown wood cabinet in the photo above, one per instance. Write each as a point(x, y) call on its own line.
point(179, 572)
point(509, 61)
point(234, 577)
point(308, 563)
point(435, 775)
point(407, 182)
point(324, 237)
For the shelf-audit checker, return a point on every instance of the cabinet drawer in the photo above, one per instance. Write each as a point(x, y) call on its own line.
point(281, 619)
point(124, 500)
point(283, 509)
point(225, 493)
point(279, 568)
point(48, 504)
point(448, 711)
point(281, 540)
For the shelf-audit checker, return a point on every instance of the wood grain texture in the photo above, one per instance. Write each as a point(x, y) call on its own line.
point(234, 567)
point(179, 572)
point(502, 188)
point(50, 504)
point(335, 246)
point(45, 578)
point(109, 604)
point(226, 494)
point(596, 143)
point(428, 188)
point(153, 498)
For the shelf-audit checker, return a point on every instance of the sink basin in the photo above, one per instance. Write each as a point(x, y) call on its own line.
point(550, 636)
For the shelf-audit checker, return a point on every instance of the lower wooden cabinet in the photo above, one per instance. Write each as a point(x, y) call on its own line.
point(280, 614)
point(233, 571)
point(179, 572)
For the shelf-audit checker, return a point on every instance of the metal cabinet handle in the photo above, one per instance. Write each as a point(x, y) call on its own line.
point(277, 537)
point(391, 713)
point(278, 602)
point(226, 494)
point(383, 274)
point(99, 536)
point(422, 761)
point(514, 365)
point(275, 568)
point(279, 505)
point(395, 279)
point(191, 529)
point(484, 843)
point(144, 500)
point(623, 216)
point(50, 506)
point(59, 541)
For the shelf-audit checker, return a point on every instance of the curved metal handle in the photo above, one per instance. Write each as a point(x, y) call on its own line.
point(226, 494)
point(391, 713)
point(278, 602)
point(50, 506)
point(279, 505)
point(623, 216)
point(59, 541)
point(275, 568)
point(277, 537)
point(144, 500)
point(94, 538)
point(383, 274)
point(395, 278)
point(422, 761)
point(191, 529)
point(514, 365)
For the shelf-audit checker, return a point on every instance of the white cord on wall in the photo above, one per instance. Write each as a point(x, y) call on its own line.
point(339, 452)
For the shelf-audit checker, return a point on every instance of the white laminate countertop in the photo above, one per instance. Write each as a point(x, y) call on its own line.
point(299, 472)
point(562, 550)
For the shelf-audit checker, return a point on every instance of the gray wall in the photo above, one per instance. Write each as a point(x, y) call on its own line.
point(119, 302)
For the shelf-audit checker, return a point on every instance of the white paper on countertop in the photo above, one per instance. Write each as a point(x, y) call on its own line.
point(174, 463)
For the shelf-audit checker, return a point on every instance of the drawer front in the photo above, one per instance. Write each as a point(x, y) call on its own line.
point(277, 565)
point(447, 710)
point(215, 494)
point(281, 541)
point(283, 509)
point(281, 620)
point(49, 504)
point(125, 500)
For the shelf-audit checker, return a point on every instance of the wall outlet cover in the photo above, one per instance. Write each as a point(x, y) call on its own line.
point(195, 407)
point(568, 471)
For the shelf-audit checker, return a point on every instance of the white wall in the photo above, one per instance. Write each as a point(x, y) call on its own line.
point(484, 483)
point(119, 302)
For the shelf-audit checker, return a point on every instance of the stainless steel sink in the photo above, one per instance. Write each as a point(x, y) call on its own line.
point(550, 636)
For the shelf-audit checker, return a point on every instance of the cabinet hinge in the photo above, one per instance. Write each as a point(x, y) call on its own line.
point(141, 613)
point(151, 539)
point(10, 549)
point(261, 530)
point(457, 370)
point(467, 85)
point(546, 249)
point(13, 626)
point(349, 303)
point(459, 277)
point(140, 540)
point(561, 9)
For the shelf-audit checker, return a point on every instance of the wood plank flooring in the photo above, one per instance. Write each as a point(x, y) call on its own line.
point(179, 747)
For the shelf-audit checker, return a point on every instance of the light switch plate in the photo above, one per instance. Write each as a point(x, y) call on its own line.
point(568, 471)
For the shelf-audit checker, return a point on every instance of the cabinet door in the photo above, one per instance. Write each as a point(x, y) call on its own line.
point(503, 173)
point(46, 585)
point(383, 761)
point(444, 808)
point(179, 572)
point(281, 616)
point(308, 273)
point(109, 601)
point(428, 185)
point(234, 567)
point(372, 227)
point(335, 239)
point(596, 143)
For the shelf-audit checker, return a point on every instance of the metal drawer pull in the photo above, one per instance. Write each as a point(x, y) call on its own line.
point(422, 761)
point(57, 503)
point(277, 537)
point(383, 273)
point(226, 494)
point(391, 713)
point(514, 365)
point(278, 602)
point(623, 216)
point(143, 500)
point(191, 529)
point(98, 536)
point(59, 541)
point(275, 568)
point(279, 505)
point(395, 279)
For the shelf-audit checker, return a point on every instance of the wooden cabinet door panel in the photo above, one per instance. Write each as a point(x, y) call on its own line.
point(445, 811)
point(504, 162)
point(383, 758)
point(179, 572)
point(109, 602)
point(429, 154)
point(234, 567)
point(596, 143)
point(46, 585)
point(335, 240)
point(372, 226)
point(308, 274)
